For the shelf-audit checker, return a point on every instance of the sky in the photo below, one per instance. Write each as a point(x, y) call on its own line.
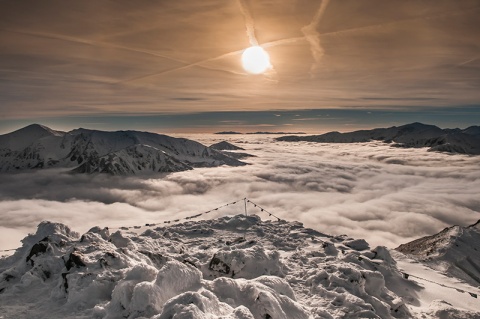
point(383, 194)
point(175, 66)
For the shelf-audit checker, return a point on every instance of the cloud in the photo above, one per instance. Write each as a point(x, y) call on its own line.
point(307, 119)
point(186, 99)
point(385, 195)
point(312, 35)
point(249, 22)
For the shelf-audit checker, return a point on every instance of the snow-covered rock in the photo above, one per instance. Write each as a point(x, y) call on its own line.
point(91, 151)
point(233, 267)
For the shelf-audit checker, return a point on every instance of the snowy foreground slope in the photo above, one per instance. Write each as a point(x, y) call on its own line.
point(232, 267)
point(455, 251)
point(117, 153)
point(414, 135)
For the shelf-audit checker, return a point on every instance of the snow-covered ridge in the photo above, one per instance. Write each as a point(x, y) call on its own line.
point(91, 151)
point(225, 146)
point(466, 141)
point(454, 250)
point(233, 267)
point(230, 150)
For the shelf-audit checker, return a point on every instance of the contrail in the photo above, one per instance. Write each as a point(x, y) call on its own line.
point(469, 61)
point(303, 38)
point(92, 43)
point(198, 63)
point(249, 22)
point(108, 45)
point(365, 28)
point(250, 28)
point(313, 37)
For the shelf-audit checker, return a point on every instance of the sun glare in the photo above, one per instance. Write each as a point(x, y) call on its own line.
point(255, 60)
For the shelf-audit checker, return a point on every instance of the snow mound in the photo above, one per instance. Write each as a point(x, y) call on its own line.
point(263, 301)
point(443, 310)
point(233, 267)
point(247, 263)
point(53, 231)
point(144, 290)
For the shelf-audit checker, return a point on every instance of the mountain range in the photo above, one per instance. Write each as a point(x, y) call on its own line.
point(92, 151)
point(414, 135)
point(256, 133)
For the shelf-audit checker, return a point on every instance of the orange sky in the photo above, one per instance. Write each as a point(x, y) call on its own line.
point(111, 58)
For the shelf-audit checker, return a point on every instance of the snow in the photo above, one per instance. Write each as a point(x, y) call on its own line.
point(453, 251)
point(22, 138)
point(412, 135)
point(134, 160)
point(117, 153)
point(225, 146)
point(232, 267)
point(433, 297)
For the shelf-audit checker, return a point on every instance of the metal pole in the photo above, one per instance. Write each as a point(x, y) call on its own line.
point(245, 201)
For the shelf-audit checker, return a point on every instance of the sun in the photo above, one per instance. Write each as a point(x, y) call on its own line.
point(255, 60)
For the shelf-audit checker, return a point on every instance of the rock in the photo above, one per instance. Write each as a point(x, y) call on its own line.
point(38, 248)
point(357, 244)
point(75, 260)
point(218, 265)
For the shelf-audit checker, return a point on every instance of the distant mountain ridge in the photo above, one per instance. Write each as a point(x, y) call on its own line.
point(225, 146)
point(256, 133)
point(414, 135)
point(454, 250)
point(230, 150)
point(92, 151)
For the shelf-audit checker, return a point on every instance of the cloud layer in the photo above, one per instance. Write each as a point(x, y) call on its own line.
point(385, 195)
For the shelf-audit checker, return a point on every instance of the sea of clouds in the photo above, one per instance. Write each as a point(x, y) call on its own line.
point(385, 195)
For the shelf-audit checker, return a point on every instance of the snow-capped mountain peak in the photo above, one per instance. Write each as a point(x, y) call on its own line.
point(24, 137)
point(119, 152)
point(226, 146)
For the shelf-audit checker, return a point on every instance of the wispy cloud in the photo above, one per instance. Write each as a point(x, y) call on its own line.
point(186, 98)
point(306, 119)
point(249, 22)
point(312, 35)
